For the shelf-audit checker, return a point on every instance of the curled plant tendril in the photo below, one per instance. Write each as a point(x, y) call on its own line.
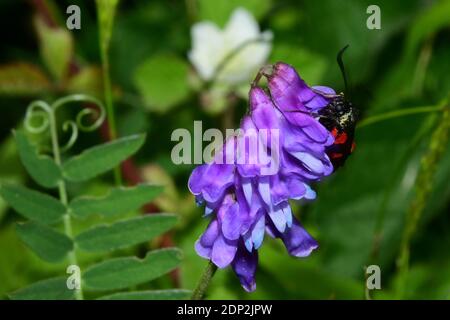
point(37, 110)
point(44, 114)
point(70, 125)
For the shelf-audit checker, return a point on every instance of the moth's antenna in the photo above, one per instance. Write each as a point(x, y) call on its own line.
point(341, 66)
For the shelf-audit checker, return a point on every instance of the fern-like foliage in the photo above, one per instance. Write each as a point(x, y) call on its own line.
point(48, 230)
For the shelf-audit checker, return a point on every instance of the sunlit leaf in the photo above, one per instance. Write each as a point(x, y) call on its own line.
point(32, 204)
point(119, 200)
point(101, 158)
point(42, 169)
point(47, 243)
point(125, 233)
point(121, 273)
point(49, 289)
point(175, 294)
point(23, 79)
point(162, 82)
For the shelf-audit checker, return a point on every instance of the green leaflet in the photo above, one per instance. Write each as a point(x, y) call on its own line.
point(125, 233)
point(175, 294)
point(47, 243)
point(41, 168)
point(49, 289)
point(121, 273)
point(119, 200)
point(32, 204)
point(101, 158)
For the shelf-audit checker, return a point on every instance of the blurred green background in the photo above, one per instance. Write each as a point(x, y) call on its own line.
point(361, 211)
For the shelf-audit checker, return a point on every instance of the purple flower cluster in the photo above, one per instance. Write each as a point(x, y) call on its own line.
point(245, 199)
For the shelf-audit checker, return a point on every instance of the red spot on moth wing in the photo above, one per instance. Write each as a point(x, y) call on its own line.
point(353, 147)
point(341, 139)
point(334, 132)
point(336, 155)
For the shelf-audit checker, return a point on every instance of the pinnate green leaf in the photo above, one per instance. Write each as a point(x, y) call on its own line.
point(119, 200)
point(32, 204)
point(47, 243)
point(175, 294)
point(125, 233)
point(121, 273)
point(42, 169)
point(101, 158)
point(49, 289)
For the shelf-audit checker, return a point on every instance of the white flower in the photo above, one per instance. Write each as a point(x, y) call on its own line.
point(235, 53)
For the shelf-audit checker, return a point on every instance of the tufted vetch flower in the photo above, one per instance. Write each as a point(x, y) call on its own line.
point(245, 197)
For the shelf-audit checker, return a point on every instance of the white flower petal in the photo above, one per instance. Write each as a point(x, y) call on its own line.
point(207, 48)
point(244, 65)
point(241, 28)
point(212, 46)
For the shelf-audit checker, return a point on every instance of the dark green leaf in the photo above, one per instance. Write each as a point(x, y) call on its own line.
point(32, 204)
point(175, 294)
point(49, 289)
point(41, 168)
point(119, 200)
point(101, 158)
point(47, 243)
point(125, 233)
point(125, 272)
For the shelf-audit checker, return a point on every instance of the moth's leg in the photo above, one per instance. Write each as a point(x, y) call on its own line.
point(326, 95)
point(263, 71)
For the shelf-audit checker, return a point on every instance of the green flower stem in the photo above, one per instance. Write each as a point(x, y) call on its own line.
point(379, 222)
point(204, 281)
point(110, 109)
point(397, 113)
point(63, 194)
point(106, 11)
point(423, 187)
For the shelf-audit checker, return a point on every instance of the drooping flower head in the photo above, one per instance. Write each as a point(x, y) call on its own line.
point(279, 152)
